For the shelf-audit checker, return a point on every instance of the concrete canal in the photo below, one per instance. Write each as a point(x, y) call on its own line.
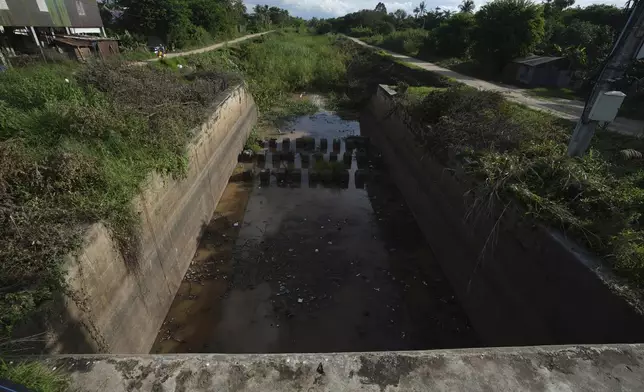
point(312, 248)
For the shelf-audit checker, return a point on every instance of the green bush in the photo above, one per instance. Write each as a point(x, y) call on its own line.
point(188, 35)
point(405, 41)
point(361, 32)
point(507, 29)
point(453, 37)
point(384, 28)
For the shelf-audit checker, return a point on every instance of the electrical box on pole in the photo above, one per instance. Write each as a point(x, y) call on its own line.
point(606, 106)
point(602, 104)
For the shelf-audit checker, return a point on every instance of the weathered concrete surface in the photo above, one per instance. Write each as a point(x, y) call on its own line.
point(563, 108)
point(116, 303)
point(556, 368)
point(519, 282)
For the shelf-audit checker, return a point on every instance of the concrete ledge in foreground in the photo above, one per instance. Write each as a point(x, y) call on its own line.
point(554, 368)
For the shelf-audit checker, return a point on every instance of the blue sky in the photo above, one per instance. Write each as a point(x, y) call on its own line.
point(332, 8)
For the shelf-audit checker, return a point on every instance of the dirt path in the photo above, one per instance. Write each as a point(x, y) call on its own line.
point(206, 48)
point(562, 108)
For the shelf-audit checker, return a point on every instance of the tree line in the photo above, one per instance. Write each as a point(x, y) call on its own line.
point(498, 32)
point(182, 23)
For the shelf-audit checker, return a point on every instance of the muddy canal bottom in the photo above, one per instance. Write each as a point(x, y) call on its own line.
point(314, 257)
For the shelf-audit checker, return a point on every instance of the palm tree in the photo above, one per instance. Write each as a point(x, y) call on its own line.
point(422, 11)
point(422, 8)
point(467, 6)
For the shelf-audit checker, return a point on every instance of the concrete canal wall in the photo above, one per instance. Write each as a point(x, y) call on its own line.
point(598, 368)
point(116, 305)
point(519, 282)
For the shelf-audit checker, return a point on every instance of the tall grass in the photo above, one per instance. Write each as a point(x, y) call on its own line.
point(407, 41)
point(279, 64)
point(34, 376)
point(519, 154)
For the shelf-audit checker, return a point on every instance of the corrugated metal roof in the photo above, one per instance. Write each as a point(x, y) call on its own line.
point(533, 60)
point(50, 13)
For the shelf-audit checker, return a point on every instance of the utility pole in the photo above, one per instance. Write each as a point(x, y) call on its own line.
point(623, 53)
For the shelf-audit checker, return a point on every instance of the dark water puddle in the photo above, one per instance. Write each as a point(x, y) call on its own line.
point(294, 266)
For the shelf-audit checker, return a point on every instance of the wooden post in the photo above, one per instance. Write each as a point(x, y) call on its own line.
point(35, 36)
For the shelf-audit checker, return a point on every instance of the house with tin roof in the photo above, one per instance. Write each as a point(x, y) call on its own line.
point(539, 71)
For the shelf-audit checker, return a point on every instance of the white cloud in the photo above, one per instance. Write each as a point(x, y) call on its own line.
point(332, 8)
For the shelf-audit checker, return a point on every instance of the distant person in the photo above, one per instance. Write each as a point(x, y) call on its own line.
point(160, 51)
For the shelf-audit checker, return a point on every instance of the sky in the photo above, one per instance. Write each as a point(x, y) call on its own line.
point(332, 8)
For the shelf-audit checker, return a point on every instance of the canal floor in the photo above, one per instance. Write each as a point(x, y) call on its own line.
point(301, 265)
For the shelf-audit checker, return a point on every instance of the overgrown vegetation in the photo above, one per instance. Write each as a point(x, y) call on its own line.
point(520, 154)
point(282, 69)
point(75, 147)
point(35, 376)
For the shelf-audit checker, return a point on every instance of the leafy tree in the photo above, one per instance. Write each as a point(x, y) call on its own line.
point(278, 16)
point(400, 15)
point(554, 7)
point(155, 17)
point(189, 22)
point(213, 16)
point(467, 6)
point(453, 37)
point(599, 14)
point(324, 27)
point(434, 18)
point(507, 29)
point(260, 20)
point(380, 7)
point(584, 43)
point(384, 27)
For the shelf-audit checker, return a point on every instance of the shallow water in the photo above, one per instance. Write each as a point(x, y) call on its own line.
point(294, 266)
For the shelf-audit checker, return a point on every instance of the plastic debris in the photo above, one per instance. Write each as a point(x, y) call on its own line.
point(300, 300)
